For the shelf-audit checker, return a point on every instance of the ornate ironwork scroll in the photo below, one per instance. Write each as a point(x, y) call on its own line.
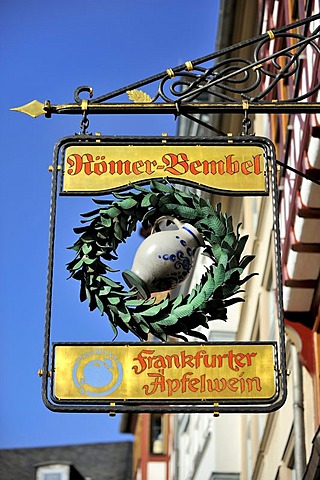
point(223, 86)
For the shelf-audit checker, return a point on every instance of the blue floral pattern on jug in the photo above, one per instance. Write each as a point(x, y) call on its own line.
point(182, 262)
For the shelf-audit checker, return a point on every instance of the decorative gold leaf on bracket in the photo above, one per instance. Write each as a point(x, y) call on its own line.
point(33, 109)
point(138, 96)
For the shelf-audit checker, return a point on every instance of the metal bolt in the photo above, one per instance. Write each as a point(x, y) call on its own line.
point(40, 373)
point(50, 168)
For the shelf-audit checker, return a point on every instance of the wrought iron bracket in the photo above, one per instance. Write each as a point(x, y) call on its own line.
point(223, 86)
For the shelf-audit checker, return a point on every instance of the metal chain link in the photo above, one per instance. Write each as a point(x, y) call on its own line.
point(246, 123)
point(84, 124)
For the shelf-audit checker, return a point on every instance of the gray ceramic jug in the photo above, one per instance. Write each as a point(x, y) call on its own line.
point(164, 259)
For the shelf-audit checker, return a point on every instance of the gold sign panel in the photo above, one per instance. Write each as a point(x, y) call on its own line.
point(101, 166)
point(164, 372)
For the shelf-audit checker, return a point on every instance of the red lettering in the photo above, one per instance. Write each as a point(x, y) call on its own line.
point(245, 167)
point(198, 356)
point(257, 381)
point(136, 166)
point(117, 167)
point(159, 381)
point(192, 384)
point(194, 166)
point(184, 380)
point(142, 362)
point(213, 167)
point(87, 160)
point(231, 167)
point(75, 162)
point(232, 384)
point(256, 163)
point(186, 360)
point(149, 170)
point(248, 356)
point(175, 164)
point(173, 385)
point(100, 168)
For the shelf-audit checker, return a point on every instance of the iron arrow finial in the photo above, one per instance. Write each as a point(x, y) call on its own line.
point(33, 109)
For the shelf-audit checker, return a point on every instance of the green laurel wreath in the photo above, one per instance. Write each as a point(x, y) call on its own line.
point(115, 221)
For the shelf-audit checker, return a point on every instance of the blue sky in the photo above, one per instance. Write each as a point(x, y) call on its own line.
point(48, 49)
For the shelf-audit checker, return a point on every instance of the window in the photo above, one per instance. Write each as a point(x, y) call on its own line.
point(291, 467)
point(287, 468)
point(157, 439)
point(225, 476)
point(53, 472)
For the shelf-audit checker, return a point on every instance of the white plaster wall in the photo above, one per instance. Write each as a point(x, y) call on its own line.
point(272, 453)
point(309, 410)
point(208, 444)
point(156, 471)
point(297, 299)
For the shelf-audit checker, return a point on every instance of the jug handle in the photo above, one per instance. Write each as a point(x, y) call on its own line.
point(163, 218)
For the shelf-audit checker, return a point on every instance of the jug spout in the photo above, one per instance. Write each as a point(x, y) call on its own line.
point(164, 259)
point(134, 281)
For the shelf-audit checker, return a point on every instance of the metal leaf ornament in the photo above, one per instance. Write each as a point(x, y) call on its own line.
point(114, 221)
point(139, 96)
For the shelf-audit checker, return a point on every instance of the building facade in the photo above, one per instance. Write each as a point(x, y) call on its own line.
point(284, 444)
point(94, 461)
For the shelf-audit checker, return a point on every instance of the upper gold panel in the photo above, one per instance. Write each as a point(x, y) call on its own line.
point(231, 168)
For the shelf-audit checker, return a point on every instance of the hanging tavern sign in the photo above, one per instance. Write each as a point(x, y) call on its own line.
point(232, 165)
point(170, 377)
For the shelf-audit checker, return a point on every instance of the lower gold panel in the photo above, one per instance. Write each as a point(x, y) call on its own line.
point(164, 372)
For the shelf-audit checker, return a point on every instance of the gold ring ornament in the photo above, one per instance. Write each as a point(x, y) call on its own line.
point(114, 222)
